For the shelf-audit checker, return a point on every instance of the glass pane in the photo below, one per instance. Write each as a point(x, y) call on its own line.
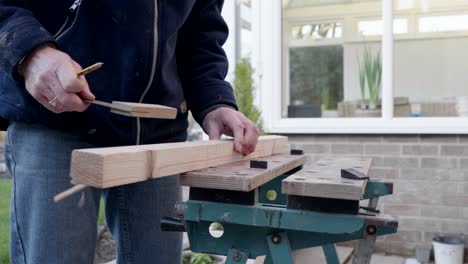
point(245, 28)
point(333, 30)
point(324, 60)
point(430, 65)
point(375, 27)
point(443, 23)
point(319, 83)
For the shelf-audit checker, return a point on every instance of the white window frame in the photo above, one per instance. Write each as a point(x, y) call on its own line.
point(267, 60)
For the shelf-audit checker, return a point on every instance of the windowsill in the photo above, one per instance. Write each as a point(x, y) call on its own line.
point(407, 125)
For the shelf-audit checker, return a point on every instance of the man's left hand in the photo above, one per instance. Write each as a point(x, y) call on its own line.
point(232, 123)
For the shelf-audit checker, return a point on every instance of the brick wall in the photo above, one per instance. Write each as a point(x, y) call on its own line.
point(430, 175)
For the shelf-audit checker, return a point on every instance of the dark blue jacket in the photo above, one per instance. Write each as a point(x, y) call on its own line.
point(162, 52)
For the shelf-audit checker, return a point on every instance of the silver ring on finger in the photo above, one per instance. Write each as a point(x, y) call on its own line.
point(53, 102)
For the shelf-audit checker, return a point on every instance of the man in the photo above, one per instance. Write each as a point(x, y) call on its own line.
point(162, 52)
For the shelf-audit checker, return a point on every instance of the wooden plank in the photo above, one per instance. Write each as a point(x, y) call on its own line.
point(324, 179)
point(101, 103)
point(162, 114)
point(238, 176)
point(139, 109)
point(107, 167)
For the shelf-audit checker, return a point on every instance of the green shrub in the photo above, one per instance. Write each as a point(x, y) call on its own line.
point(197, 258)
point(244, 92)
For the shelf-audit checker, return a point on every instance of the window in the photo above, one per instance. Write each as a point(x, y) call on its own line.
point(245, 25)
point(310, 57)
point(322, 59)
point(316, 31)
point(430, 70)
point(316, 80)
point(443, 23)
point(375, 27)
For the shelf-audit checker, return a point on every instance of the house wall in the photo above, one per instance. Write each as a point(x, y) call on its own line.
point(430, 175)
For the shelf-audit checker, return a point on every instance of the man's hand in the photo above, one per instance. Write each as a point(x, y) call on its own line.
point(50, 73)
point(232, 123)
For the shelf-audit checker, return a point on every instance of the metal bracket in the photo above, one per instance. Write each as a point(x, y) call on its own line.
point(331, 256)
point(172, 224)
point(365, 247)
point(297, 152)
point(275, 185)
point(258, 164)
point(353, 174)
point(235, 256)
point(370, 209)
point(224, 196)
point(373, 203)
point(326, 205)
point(375, 189)
point(280, 249)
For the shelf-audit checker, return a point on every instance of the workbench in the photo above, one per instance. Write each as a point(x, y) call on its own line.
point(263, 204)
point(271, 206)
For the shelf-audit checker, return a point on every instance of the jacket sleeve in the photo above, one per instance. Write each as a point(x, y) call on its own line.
point(202, 62)
point(20, 32)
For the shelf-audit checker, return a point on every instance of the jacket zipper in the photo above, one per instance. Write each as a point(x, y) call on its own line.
point(72, 15)
point(153, 67)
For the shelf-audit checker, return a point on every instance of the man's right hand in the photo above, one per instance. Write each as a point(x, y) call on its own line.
point(50, 73)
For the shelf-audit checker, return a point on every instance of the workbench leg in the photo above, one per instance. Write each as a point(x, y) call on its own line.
point(268, 260)
point(364, 248)
point(330, 254)
point(280, 249)
point(236, 257)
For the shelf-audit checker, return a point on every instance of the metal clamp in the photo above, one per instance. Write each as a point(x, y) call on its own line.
point(353, 174)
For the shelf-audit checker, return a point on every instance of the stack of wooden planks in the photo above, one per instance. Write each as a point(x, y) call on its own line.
point(108, 167)
point(215, 164)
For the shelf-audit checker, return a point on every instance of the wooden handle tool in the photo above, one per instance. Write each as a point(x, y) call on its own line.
point(131, 109)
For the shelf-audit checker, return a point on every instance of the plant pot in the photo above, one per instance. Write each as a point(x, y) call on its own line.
point(448, 249)
point(367, 113)
point(462, 106)
point(306, 110)
point(330, 113)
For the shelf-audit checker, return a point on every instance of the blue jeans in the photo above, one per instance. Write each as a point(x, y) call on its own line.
point(46, 232)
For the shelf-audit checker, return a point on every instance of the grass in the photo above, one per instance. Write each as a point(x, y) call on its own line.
point(5, 191)
point(101, 213)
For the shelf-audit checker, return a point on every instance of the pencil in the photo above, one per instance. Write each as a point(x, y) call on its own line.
point(90, 69)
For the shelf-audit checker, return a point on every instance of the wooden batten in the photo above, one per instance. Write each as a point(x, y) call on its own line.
point(108, 167)
point(144, 110)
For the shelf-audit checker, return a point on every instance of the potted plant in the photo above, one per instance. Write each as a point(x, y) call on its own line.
point(370, 76)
